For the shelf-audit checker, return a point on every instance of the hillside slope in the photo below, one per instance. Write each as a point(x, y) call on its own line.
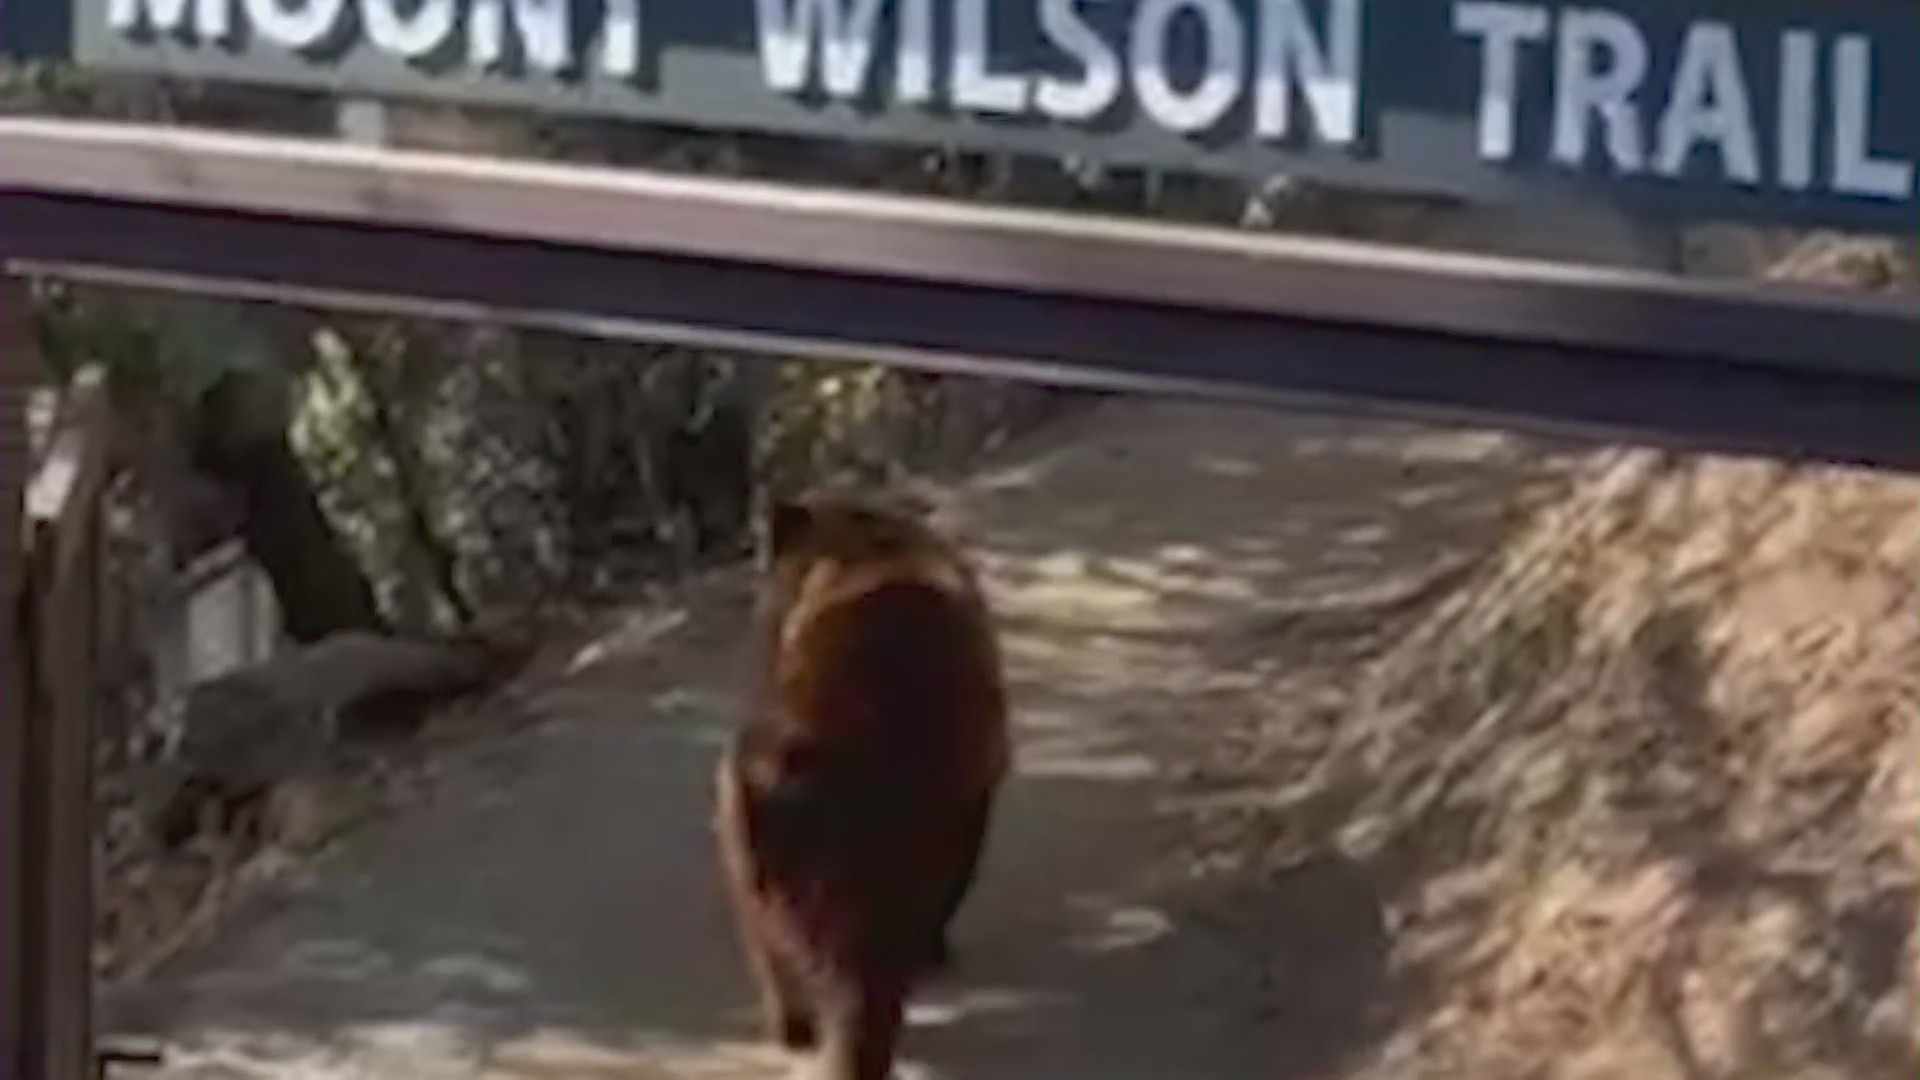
point(1646, 788)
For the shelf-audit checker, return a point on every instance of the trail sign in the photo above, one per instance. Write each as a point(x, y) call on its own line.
point(1798, 111)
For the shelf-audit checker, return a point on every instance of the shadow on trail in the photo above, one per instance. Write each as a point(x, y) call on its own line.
point(1153, 988)
point(567, 944)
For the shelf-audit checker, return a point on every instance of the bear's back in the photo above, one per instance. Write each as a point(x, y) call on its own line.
point(881, 636)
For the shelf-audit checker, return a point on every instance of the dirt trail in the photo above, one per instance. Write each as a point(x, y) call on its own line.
point(548, 908)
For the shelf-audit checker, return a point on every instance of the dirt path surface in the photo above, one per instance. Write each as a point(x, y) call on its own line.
point(547, 907)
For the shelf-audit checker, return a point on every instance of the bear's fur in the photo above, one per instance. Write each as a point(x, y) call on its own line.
point(853, 804)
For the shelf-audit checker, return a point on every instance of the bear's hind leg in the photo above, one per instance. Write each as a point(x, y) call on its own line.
point(970, 844)
point(786, 1010)
point(862, 1023)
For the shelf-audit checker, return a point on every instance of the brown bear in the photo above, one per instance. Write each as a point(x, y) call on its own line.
point(853, 804)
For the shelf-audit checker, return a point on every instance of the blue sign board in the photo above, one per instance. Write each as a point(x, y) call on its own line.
point(1795, 111)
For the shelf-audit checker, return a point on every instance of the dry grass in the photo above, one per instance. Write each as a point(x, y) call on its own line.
point(1648, 790)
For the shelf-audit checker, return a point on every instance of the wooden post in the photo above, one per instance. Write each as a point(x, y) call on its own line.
point(48, 556)
point(63, 736)
point(19, 360)
point(62, 505)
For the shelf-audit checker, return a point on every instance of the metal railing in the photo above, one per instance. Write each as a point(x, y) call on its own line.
point(1032, 294)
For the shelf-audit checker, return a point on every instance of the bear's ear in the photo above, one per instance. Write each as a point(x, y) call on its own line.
point(788, 524)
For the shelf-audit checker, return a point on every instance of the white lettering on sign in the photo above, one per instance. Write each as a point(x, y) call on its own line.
point(976, 87)
point(1277, 60)
point(409, 29)
point(1799, 57)
point(1099, 83)
point(1600, 61)
point(1200, 106)
point(620, 39)
point(621, 28)
point(913, 61)
point(212, 19)
point(1703, 115)
point(1501, 29)
point(1709, 104)
point(411, 36)
point(546, 34)
point(1581, 88)
point(295, 25)
point(798, 37)
point(1855, 170)
point(1292, 61)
